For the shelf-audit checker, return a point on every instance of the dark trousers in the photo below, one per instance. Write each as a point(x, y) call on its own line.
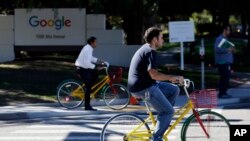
point(89, 76)
point(225, 74)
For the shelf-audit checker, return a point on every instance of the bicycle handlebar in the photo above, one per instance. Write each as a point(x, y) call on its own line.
point(186, 84)
point(106, 66)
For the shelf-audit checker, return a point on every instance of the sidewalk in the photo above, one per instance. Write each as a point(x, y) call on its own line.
point(241, 95)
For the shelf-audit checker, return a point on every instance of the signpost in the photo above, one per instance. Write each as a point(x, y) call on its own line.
point(181, 31)
point(202, 53)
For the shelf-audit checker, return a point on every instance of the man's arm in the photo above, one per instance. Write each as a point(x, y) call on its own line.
point(222, 50)
point(94, 59)
point(158, 76)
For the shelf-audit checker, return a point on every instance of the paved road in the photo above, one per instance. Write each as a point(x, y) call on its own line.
point(86, 126)
point(69, 128)
point(69, 125)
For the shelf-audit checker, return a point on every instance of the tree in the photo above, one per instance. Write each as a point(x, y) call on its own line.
point(137, 15)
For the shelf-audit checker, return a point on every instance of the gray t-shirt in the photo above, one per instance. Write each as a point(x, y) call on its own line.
point(143, 60)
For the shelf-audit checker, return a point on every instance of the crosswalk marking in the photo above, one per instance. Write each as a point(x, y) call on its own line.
point(67, 129)
point(50, 138)
point(53, 126)
point(45, 132)
point(53, 131)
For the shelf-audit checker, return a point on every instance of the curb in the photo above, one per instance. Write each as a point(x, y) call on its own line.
point(40, 115)
point(237, 106)
point(14, 116)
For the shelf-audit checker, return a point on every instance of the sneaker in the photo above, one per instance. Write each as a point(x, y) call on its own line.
point(90, 109)
point(225, 96)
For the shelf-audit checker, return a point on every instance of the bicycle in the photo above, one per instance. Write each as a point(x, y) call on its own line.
point(70, 93)
point(201, 125)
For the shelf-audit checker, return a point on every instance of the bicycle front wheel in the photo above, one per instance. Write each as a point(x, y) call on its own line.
point(216, 125)
point(125, 127)
point(70, 94)
point(116, 96)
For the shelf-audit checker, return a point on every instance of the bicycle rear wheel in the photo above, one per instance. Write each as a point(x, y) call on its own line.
point(116, 96)
point(125, 127)
point(70, 94)
point(216, 125)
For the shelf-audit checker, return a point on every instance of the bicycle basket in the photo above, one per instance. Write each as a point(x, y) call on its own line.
point(206, 98)
point(115, 74)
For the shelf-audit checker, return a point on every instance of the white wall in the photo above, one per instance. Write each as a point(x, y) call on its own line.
point(6, 38)
point(96, 21)
point(96, 26)
point(117, 55)
point(107, 37)
point(111, 45)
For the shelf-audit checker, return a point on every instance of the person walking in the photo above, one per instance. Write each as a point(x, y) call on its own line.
point(87, 66)
point(144, 78)
point(223, 60)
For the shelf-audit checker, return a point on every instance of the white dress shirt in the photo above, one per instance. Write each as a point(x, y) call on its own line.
point(86, 59)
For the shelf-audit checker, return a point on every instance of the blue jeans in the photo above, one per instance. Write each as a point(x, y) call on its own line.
point(162, 99)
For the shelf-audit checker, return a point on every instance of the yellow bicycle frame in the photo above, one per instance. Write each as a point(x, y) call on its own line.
point(95, 88)
point(143, 135)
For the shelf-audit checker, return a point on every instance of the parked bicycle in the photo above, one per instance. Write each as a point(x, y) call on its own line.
point(201, 125)
point(70, 93)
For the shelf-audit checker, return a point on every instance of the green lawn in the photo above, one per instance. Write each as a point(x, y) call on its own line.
point(36, 77)
point(39, 77)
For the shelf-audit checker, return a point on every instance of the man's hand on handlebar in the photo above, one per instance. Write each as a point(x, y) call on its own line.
point(106, 64)
point(178, 80)
point(102, 65)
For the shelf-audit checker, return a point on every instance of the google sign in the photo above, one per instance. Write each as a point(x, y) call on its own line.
point(58, 24)
point(42, 28)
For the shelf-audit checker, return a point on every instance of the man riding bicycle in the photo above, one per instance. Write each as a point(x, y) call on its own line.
point(144, 78)
point(87, 65)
